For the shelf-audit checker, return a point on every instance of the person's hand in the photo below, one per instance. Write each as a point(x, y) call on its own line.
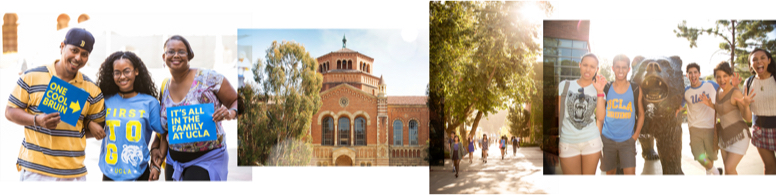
point(222, 113)
point(48, 121)
point(746, 100)
point(735, 80)
point(599, 84)
point(97, 131)
point(155, 172)
point(706, 100)
point(635, 136)
point(156, 157)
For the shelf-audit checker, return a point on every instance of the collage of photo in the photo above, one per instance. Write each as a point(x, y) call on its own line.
point(478, 97)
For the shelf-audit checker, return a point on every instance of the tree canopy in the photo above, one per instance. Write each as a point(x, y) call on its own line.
point(738, 38)
point(274, 129)
point(482, 56)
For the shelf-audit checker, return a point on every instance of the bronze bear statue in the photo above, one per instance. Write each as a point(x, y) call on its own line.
point(662, 84)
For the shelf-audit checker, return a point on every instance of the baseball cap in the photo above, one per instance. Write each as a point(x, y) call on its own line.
point(79, 37)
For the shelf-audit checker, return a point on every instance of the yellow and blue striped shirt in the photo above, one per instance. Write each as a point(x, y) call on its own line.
point(54, 152)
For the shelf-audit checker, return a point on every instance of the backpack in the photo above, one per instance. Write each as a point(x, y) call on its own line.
point(635, 89)
point(749, 83)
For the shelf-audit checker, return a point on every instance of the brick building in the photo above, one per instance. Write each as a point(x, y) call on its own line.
point(358, 124)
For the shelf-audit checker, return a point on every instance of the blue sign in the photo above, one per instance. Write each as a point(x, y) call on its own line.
point(64, 98)
point(192, 123)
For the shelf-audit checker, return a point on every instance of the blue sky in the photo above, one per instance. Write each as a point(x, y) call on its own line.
point(401, 55)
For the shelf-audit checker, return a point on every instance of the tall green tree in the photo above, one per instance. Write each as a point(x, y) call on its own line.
point(275, 126)
point(738, 38)
point(482, 55)
point(519, 121)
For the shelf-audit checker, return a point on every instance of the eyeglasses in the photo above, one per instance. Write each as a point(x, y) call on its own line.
point(127, 72)
point(581, 93)
point(172, 53)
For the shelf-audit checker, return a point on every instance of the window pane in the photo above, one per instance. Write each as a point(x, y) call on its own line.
point(565, 43)
point(397, 133)
point(360, 131)
point(550, 61)
point(328, 127)
point(344, 131)
point(413, 132)
point(550, 42)
point(566, 62)
point(576, 53)
point(551, 51)
point(580, 44)
point(565, 52)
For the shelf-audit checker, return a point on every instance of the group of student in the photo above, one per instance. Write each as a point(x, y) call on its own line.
point(124, 110)
point(457, 150)
point(606, 125)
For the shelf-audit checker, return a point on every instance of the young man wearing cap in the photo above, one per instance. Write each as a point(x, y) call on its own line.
point(700, 118)
point(53, 150)
point(623, 121)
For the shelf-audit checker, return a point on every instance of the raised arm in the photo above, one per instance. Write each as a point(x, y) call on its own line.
point(600, 108)
point(742, 102)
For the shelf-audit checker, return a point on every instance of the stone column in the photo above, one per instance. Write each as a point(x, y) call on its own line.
point(336, 128)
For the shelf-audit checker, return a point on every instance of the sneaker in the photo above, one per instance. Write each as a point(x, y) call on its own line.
point(712, 171)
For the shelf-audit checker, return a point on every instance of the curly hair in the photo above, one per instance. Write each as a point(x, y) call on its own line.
point(143, 82)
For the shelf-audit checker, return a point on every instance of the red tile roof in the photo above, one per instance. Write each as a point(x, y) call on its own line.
point(407, 100)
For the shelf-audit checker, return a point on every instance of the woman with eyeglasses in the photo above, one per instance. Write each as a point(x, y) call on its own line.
point(132, 114)
point(581, 109)
point(201, 160)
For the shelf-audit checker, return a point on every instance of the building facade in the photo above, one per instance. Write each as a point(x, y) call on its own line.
point(565, 41)
point(358, 124)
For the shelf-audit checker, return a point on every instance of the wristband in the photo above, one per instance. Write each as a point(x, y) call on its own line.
point(155, 167)
point(601, 95)
point(35, 121)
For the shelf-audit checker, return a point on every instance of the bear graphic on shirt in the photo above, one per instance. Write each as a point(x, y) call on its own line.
point(131, 155)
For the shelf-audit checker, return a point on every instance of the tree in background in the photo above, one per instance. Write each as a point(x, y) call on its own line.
point(519, 121)
point(482, 55)
point(606, 68)
point(274, 128)
point(739, 37)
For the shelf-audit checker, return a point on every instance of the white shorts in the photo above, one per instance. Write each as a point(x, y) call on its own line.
point(25, 175)
point(739, 147)
point(584, 148)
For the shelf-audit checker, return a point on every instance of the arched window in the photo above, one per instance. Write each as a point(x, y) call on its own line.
point(350, 65)
point(413, 132)
point(397, 133)
point(10, 33)
point(344, 131)
point(82, 18)
point(368, 68)
point(339, 64)
point(328, 132)
point(320, 68)
point(62, 21)
point(360, 131)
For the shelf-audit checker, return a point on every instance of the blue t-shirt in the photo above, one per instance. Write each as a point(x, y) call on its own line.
point(128, 126)
point(620, 115)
